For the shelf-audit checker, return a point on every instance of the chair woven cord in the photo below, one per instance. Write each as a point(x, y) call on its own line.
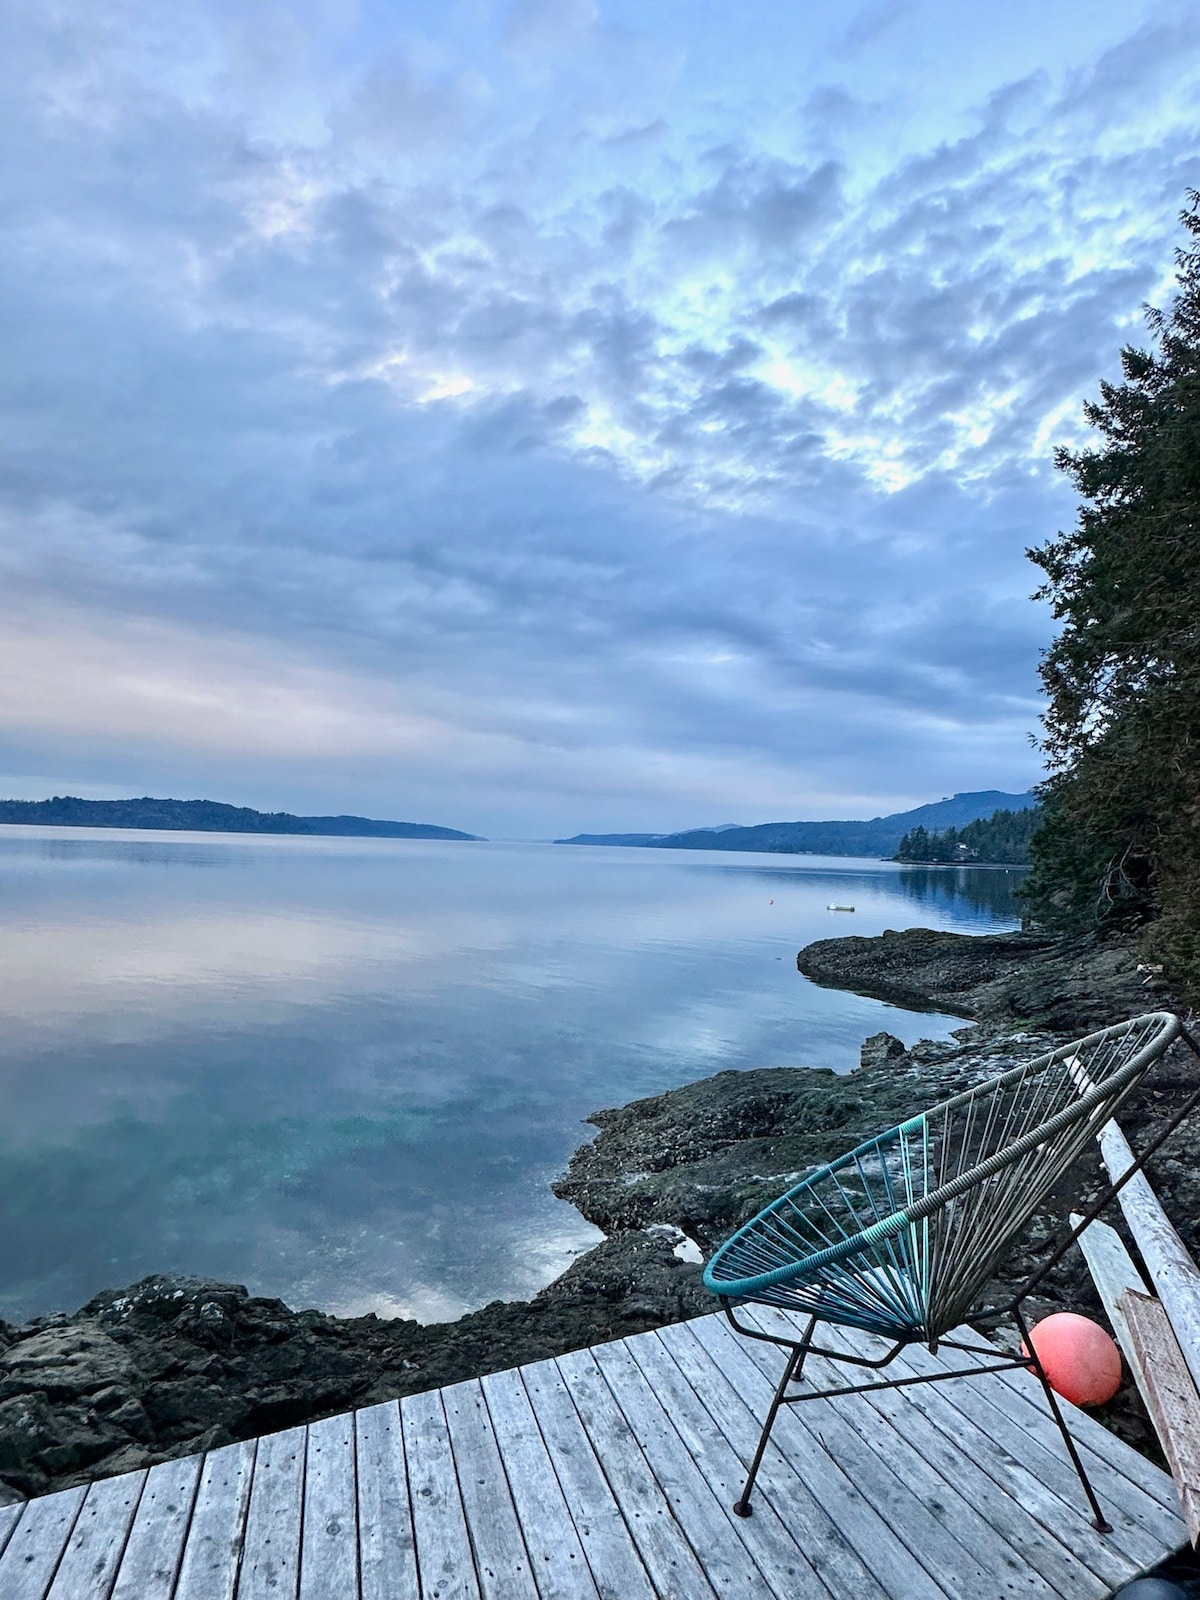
point(899, 1235)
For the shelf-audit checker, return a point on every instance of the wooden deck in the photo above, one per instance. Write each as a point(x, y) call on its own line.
point(608, 1475)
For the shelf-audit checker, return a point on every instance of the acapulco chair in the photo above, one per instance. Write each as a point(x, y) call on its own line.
point(900, 1237)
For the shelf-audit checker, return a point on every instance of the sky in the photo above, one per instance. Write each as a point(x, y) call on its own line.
point(558, 415)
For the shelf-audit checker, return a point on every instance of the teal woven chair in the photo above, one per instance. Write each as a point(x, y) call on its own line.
point(901, 1236)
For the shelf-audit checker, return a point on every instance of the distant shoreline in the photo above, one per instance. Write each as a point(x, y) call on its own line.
point(207, 816)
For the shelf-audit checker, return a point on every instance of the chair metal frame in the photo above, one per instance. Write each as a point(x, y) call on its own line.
point(800, 1349)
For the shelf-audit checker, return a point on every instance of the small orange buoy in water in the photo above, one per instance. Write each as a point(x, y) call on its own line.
point(1081, 1361)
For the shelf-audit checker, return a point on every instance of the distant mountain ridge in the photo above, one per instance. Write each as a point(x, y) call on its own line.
point(878, 836)
point(206, 816)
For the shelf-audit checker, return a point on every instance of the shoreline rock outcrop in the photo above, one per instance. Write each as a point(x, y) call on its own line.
point(175, 1365)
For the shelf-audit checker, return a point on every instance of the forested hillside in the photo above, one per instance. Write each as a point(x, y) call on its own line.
point(1003, 837)
point(1120, 842)
point(204, 816)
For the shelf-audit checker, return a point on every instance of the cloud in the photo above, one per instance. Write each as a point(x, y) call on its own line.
point(460, 420)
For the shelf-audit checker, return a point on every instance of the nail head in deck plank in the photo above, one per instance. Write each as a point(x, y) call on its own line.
point(704, 1512)
point(329, 1542)
point(271, 1556)
point(444, 1557)
point(1058, 1538)
point(560, 1567)
point(213, 1548)
point(616, 1567)
point(155, 1546)
point(700, 1401)
point(662, 1544)
point(36, 1547)
point(890, 1561)
point(501, 1559)
point(98, 1538)
point(386, 1548)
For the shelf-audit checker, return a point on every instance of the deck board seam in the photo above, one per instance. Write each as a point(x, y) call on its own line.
point(240, 1561)
point(817, 1442)
point(408, 1500)
point(480, 1586)
point(303, 1512)
point(776, 1456)
point(357, 1513)
point(801, 1558)
point(66, 1545)
point(12, 1524)
point(530, 1563)
point(682, 1446)
point(116, 1571)
point(1069, 1509)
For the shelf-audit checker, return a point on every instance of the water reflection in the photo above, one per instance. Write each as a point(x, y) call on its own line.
point(344, 1071)
point(991, 891)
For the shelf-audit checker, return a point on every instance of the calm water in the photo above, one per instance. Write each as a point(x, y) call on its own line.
point(344, 1071)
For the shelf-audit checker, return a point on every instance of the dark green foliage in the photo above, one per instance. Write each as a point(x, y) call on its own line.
point(1121, 841)
point(204, 816)
point(1002, 837)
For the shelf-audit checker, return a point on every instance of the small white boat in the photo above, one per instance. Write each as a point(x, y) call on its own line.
point(839, 908)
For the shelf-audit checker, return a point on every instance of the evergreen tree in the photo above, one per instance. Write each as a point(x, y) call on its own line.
point(1120, 843)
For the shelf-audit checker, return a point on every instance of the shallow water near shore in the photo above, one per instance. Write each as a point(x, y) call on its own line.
point(344, 1071)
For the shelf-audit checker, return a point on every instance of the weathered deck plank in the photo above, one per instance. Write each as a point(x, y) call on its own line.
point(212, 1552)
point(271, 1556)
point(31, 1556)
point(387, 1551)
point(9, 1517)
point(881, 1470)
point(501, 1559)
point(329, 1542)
point(97, 1541)
point(445, 1560)
point(668, 1557)
point(808, 1526)
point(609, 1474)
point(709, 1529)
point(155, 1548)
point(1008, 1436)
point(560, 1568)
point(1026, 1515)
point(616, 1567)
point(888, 1558)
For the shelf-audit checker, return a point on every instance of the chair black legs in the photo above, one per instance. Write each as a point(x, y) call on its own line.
point(794, 1366)
point(791, 1374)
point(1099, 1521)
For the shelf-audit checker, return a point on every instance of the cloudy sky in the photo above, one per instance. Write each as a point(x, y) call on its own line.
point(557, 414)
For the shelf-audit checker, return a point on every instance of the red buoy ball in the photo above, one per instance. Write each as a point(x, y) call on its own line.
point(1081, 1360)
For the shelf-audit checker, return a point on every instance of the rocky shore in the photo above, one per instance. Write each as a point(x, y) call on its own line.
point(175, 1365)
